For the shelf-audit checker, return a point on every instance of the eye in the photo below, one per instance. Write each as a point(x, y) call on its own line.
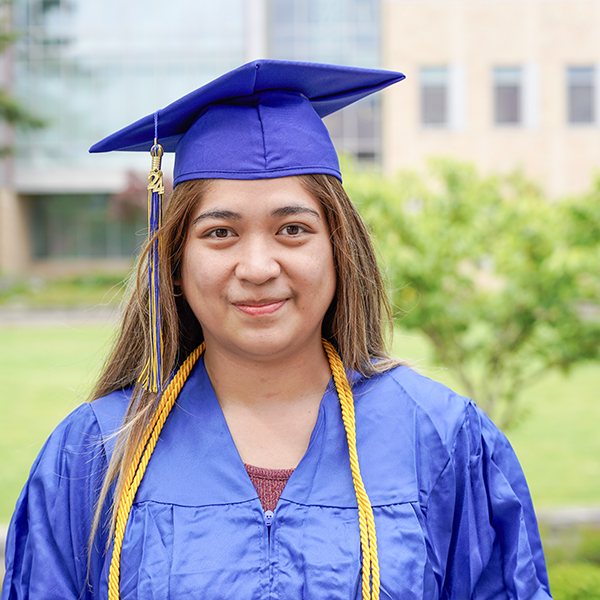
point(292, 230)
point(220, 233)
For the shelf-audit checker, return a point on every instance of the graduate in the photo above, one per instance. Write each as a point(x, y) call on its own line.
point(250, 437)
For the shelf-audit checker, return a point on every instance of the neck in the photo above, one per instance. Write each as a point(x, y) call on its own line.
point(284, 380)
point(270, 405)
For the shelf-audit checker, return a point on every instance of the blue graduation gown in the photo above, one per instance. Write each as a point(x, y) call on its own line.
point(452, 510)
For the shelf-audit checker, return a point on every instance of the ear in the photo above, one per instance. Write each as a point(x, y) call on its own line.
point(176, 275)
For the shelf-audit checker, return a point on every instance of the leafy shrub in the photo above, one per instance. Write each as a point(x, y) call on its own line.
point(503, 282)
point(574, 581)
point(575, 543)
point(79, 290)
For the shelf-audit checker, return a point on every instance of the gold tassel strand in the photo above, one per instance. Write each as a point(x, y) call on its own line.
point(152, 374)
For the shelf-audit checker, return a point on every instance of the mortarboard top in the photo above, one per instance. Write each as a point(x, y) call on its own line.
point(260, 121)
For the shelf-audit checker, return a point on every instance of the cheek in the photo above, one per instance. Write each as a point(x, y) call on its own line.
point(327, 279)
point(195, 277)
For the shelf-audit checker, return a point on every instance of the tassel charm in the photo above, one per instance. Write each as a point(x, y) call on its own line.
point(152, 374)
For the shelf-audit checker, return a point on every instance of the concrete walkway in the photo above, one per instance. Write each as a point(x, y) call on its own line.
point(570, 517)
point(36, 317)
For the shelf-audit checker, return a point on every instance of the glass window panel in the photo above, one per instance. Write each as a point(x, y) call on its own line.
point(282, 11)
point(76, 53)
point(510, 76)
point(507, 95)
point(581, 75)
point(335, 125)
point(338, 32)
point(434, 95)
point(435, 76)
point(581, 94)
point(81, 226)
point(366, 126)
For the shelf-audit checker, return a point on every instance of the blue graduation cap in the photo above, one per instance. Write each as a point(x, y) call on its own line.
point(260, 121)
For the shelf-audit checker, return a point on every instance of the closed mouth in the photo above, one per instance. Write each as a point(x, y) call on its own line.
point(260, 307)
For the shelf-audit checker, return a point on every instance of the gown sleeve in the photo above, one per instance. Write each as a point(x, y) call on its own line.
point(46, 548)
point(481, 520)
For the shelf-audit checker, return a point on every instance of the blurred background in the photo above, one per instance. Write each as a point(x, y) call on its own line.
point(501, 83)
point(502, 235)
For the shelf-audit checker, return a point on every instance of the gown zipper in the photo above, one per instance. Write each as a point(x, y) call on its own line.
point(269, 515)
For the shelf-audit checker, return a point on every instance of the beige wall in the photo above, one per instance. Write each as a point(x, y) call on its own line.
point(544, 35)
point(14, 236)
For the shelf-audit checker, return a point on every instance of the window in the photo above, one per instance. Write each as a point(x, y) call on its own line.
point(355, 130)
point(581, 94)
point(85, 226)
point(434, 96)
point(344, 32)
point(508, 95)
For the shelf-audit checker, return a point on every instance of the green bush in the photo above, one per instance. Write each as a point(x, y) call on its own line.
point(504, 283)
point(574, 581)
point(80, 290)
point(571, 544)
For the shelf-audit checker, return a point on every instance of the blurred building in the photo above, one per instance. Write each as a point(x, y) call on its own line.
point(507, 84)
point(90, 68)
point(504, 83)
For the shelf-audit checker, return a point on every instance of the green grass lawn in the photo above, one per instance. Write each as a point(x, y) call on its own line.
point(45, 372)
point(559, 445)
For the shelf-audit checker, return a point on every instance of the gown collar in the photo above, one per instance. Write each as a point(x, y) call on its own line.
point(196, 462)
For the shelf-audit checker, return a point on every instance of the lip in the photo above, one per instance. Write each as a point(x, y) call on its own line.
point(260, 307)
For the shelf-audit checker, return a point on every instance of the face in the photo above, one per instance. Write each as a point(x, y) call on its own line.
point(258, 268)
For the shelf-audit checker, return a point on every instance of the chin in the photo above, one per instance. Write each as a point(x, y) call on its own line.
point(265, 345)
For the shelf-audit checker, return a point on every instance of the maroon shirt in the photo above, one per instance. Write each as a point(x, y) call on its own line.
point(269, 484)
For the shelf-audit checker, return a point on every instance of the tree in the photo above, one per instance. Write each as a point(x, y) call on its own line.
point(11, 111)
point(503, 282)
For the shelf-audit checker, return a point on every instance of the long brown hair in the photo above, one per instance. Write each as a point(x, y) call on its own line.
point(356, 322)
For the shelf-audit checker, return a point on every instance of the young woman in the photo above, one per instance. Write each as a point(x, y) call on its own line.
point(252, 472)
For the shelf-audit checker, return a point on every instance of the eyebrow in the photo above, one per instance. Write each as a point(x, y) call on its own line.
point(287, 211)
point(218, 214)
point(284, 211)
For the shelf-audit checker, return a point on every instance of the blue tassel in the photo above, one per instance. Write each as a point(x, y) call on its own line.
point(151, 377)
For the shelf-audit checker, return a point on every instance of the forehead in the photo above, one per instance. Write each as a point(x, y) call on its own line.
point(250, 197)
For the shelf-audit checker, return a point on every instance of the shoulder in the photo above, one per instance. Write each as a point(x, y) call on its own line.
point(440, 416)
point(87, 433)
point(49, 531)
point(424, 425)
point(431, 408)
point(109, 412)
point(427, 424)
point(74, 433)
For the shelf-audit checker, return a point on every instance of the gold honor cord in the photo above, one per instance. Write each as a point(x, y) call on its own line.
point(366, 521)
point(368, 539)
point(140, 462)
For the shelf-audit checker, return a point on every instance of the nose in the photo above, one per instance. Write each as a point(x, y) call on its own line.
point(257, 263)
